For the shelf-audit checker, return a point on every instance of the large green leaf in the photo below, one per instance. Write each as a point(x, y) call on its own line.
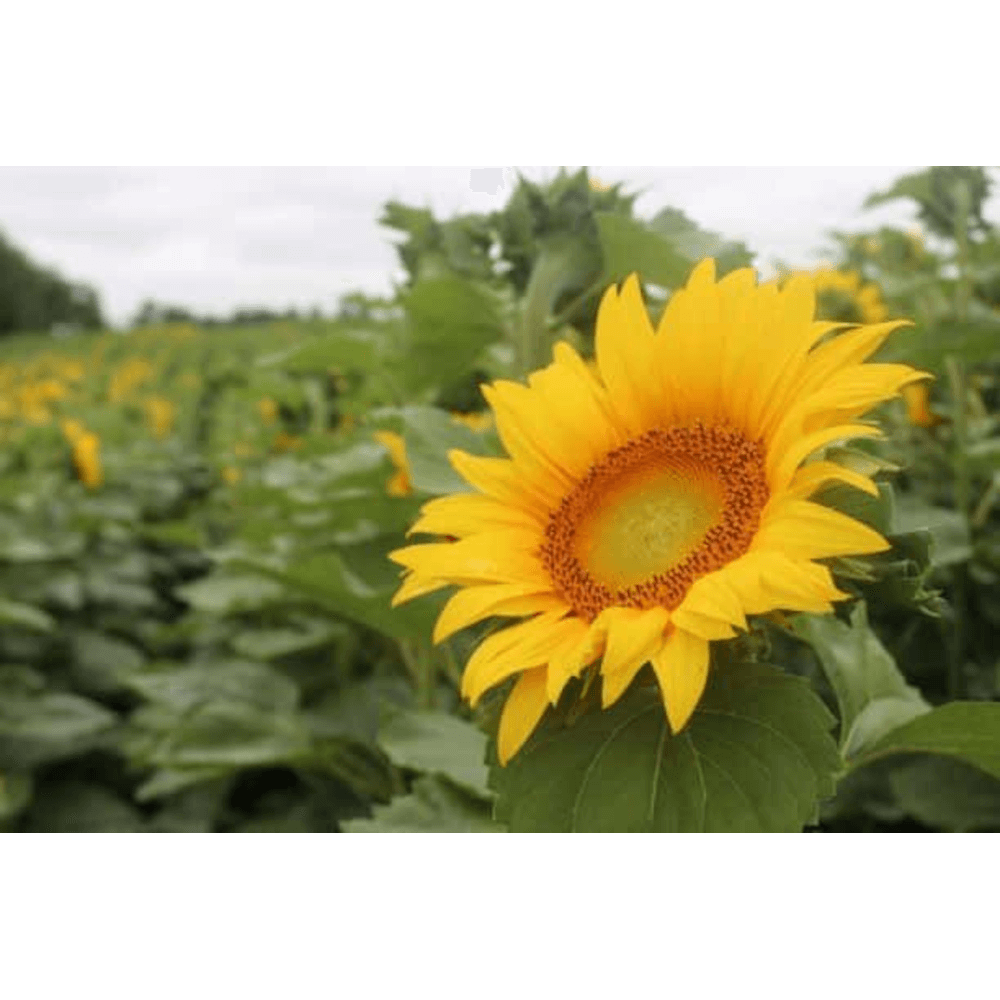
point(451, 320)
point(25, 616)
point(968, 731)
point(433, 806)
point(872, 694)
point(629, 245)
point(942, 792)
point(438, 744)
point(948, 528)
point(225, 593)
point(756, 756)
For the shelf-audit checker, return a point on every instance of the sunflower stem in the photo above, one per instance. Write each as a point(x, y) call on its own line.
point(956, 646)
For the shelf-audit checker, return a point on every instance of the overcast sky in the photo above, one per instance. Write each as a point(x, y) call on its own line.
point(213, 238)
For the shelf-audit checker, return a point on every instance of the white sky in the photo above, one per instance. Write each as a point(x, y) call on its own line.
point(213, 238)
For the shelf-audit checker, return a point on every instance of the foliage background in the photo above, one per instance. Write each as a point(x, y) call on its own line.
point(195, 631)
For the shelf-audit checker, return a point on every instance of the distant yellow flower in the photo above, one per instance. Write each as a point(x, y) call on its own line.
point(50, 390)
point(72, 429)
point(87, 459)
point(268, 410)
point(598, 185)
point(847, 294)
point(478, 422)
point(242, 449)
point(286, 442)
point(160, 414)
point(646, 513)
point(231, 474)
point(918, 410)
point(72, 371)
point(400, 484)
point(127, 377)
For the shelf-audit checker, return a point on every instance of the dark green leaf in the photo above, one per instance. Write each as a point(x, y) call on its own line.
point(756, 756)
point(437, 743)
point(947, 794)
point(872, 694)
point(629, 245)
point(434, 806)
point(968, 731)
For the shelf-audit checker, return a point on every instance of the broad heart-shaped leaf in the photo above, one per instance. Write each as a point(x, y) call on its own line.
point(756, 756)
point(451, 319)
point(629, 245)
point(434, 806)
point(872, 694)
point(437, 743)
point(968, 731)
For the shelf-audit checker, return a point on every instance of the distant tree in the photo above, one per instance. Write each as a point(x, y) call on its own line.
point(152, 313)
point(34, 298)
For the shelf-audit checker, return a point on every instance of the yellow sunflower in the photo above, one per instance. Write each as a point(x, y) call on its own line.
point(646, 510)
point(400, 484)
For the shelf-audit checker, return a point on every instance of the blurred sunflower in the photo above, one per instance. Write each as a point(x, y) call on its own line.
point(479, 422)
point(399, 485)
point(916, 397)
point(86, 450)
point(646, 511)
point(843, 296)
point(160, 413)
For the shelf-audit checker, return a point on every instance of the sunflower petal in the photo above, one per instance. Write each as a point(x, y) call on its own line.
point(473, 604)
point(535, 642)
point(681, 667)
point(521, 713)
point(806, 530)
point(633, 637)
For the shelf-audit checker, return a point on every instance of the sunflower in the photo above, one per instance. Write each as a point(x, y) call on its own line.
point(646, 510)
point(399, 485)
point(845, 295)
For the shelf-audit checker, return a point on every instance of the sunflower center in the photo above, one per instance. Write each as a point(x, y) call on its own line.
point(652, 516)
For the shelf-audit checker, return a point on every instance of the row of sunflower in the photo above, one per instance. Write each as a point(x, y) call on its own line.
point(676, 560)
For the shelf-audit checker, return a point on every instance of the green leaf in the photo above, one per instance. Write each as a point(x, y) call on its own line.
point(15, 794)
point(272, 643)
point(564, 264)
point(351, 348)
point(103, 662)
point(224, 594)
point(451, 320)
point(756, 756)
point(434, 806)
point(330, 580)
point(968, 731)
point(875, 511)
point(438, 743)
point(26, 616)
point(430, 434)
point(213, 716)
point(948, 528)
point(696, 244)
point(629, 245)
point(947, 794)
point(81, 807)
point(53, 717)
point(872, 694)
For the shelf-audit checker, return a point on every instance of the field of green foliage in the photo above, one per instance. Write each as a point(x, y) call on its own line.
point(195, 622)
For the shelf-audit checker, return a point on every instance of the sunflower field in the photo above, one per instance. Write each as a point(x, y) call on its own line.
point(584, 529)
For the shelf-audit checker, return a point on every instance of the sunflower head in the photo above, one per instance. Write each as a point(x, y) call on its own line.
point(651, 503)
